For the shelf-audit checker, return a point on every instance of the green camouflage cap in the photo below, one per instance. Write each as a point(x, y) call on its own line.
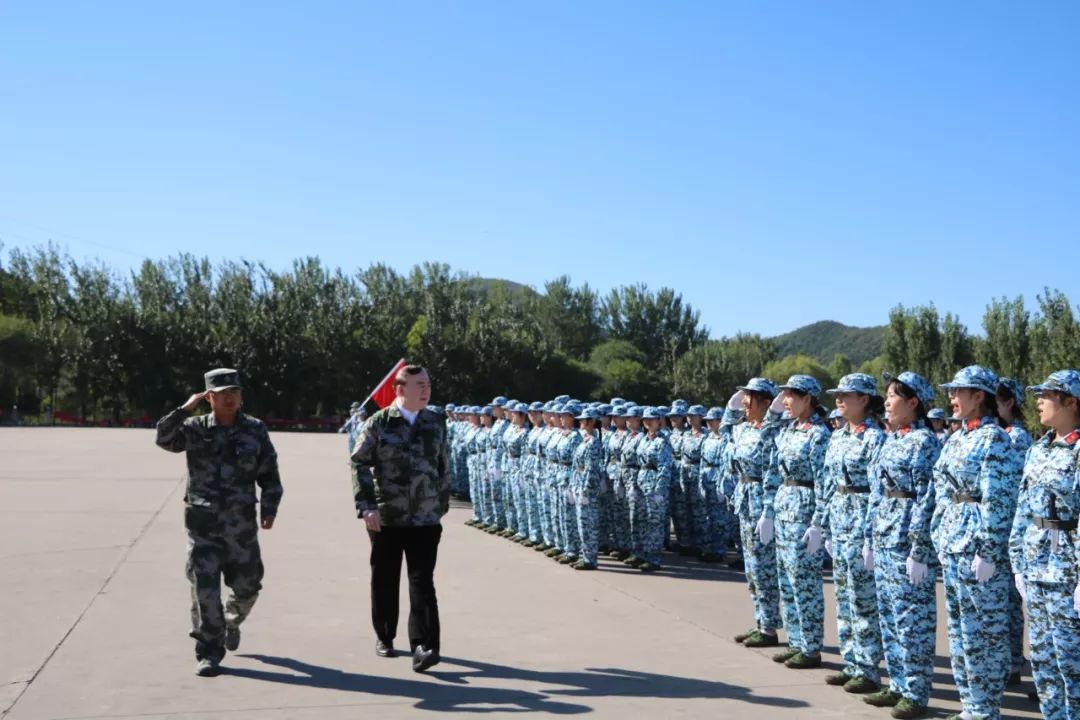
point(222, 379)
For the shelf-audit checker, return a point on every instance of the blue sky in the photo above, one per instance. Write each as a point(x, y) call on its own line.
point(778, 163)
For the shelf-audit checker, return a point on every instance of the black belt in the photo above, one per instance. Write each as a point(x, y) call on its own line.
point(900, 494)
point(800, 483)
point(749, 479)
point(964, 498)
point(651, 467)
point(1048, 524)
point(852, 490)
point(564, 464)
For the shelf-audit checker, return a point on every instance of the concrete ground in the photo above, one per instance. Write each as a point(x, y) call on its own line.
point(94, 611)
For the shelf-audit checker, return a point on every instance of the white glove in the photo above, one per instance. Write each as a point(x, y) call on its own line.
point(570, 496)
point(1076, 600)
point(765, 530)
point(777, 405)
point(828, 548)
point(1018, 580)
point(812, 539)
point(983, 569)
point(735, 403)
point(868, 557)
point(584, 500)
point(916, 571)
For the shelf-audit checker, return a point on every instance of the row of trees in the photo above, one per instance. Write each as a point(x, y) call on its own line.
point(82, 338)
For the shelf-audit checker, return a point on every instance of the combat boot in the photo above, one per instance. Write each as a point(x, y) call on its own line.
point(232, 638)
point(883, 698)
point(804, 662)
point(861, 686)
point(907, 709)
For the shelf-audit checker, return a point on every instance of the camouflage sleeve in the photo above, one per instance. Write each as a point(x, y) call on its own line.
point(877, 444)
point(270, 490)
point(771, 477)
point(1021, 519)
point(443, 470)
point(363, 458)
point(821, 501)
point(922, 510)
point(998, 485)
point(170, 431)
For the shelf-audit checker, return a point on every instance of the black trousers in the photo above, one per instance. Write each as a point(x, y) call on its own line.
point(420, 546)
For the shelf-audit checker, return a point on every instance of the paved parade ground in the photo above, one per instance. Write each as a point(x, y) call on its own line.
point(94, 611)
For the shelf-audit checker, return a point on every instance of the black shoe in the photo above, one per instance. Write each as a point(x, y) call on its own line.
point(423, 658)
point(383, 649)
point(232, 639)
point(207, 668)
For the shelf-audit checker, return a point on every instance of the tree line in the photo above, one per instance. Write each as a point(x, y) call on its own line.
point(82, 338)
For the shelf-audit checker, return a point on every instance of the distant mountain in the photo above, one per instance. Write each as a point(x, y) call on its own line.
point(488, 284)
point(824, 340)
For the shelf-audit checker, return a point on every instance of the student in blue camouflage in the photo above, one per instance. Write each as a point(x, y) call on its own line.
point(628, 470)
point(587, 466)
point(898, 528)
point(841, 514)
point(620, 507)
point(495, 450)
point(752, 445)
point(654, 480)
point(606, 502)
point(480, 463)
point(937, 420)
point(677, 507)
point(796, 471)
point(550, 446)
point(531, 475)
point(690, 478)
point(1010, 402)
point(514, 461)
point(1044, 548)
point(568, 440)
point(975, 486)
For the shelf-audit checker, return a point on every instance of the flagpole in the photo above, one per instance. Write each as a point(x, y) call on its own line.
point(380, 383)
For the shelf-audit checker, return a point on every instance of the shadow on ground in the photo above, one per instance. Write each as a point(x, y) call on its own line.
point(455, 693)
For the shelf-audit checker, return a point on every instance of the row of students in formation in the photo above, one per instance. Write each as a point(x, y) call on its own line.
point(888, 493)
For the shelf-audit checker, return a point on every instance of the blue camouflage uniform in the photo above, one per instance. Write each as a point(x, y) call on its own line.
point(495, 453)
point(1044, 549)
point(551, 478)
point(975, 485)
point(607, 496)
point(1021, 441)
point(654, 482)
point(694, 498)
point(717, 487)
point(629, 468)
point(587, 467)
point(532, 480)
point(678, 509)
point(567, 443)
point(747, 459)
point(898, 528)
point(480, 465)
point(842, 516)
point(795, 470)
point(514, 471)
point(620, 513)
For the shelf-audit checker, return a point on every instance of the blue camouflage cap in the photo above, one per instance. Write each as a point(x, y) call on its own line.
point(549, 406)
point(1062, 381)
point(676, 410)
point(499, 402)
point(1015, 389)
point(588, 414)
point(760, 385)
point(654, 413)
point(537, 406)
point(451, 407)
point(834, 414)
point(916, 382)
point(802, 383)
point(936, 414)
point(518, 407)
point(486, 410)
point(715, 413)
point(698, 410)
point(636, 411)
point(562, 398)
point(571, 408)
point(617, 401)
point(680, 401)
point(604, 409)
point(857, 383)
point(974, 377)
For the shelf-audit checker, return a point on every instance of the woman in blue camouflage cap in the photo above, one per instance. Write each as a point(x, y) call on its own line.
point(938, 420)
point(794, 480)
point(514, 470)
point(569, 440)
point(975, 481)
point(898, 527)
point(532, 475)
point(551, 444)
point(716, 488)
point(1010, 402)
point(690, 479)
point(585, 489)
point(628, 470)
point(481, 463)
point(842, 516)
point(620, 508)
point(1044, 546)
point(469, 449)
point(654, 479)
point(746, 461)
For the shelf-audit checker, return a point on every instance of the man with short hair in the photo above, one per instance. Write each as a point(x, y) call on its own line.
point(401, 487)
point(228, 454)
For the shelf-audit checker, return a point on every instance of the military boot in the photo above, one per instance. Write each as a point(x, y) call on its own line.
point(861, 686)
point(906, 709)
point(232, 638)
point(840, 678)
point(804, 662)
point(741, 637)
point(761, 640)
point(207, 668)
point(883, 698)
point(785, 655)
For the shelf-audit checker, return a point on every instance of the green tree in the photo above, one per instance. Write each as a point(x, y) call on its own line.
point(710, 372)
point(1006, 347)
point(780, 370)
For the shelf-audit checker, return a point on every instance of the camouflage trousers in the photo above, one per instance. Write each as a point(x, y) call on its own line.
point(587, 530)
point(802, 599)
point(568, 522)
point(722, 527)
point(543, 495)
point(639, 519)
point(606, 526)
point(858, 627)
point(513, 503)
point(697, 510)
point(1016, 626)
point(761, 575)
point(620, 502)
point(557, 494)
point(978, 615)
point(475, 493)
point(496, 490)
point(532, 507)
point(655, 529)
point(679, 510)
point(222, 544)
point(1055, 648)
point(908, 625)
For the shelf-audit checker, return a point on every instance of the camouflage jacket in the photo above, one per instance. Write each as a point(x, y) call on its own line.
point(224, 463)
point(401, 470)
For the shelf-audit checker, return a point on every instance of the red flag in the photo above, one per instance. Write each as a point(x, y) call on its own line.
point(383, 394)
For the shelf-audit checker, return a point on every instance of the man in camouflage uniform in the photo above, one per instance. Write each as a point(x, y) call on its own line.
point(401, 485)
point(228, 453)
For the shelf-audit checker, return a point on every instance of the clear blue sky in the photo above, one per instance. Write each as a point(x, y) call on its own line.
point(778, 163)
